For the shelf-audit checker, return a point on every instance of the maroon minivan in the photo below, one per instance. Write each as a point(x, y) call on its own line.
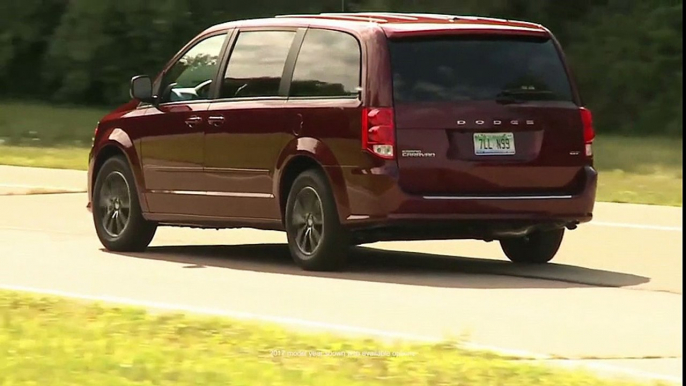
point(345, 129)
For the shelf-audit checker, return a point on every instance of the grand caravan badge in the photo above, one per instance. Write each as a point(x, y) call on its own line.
point(416, 154)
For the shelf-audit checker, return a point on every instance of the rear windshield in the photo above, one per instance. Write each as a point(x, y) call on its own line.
point(477, 68)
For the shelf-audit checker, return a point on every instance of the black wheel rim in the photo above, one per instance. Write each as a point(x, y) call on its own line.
point(115, 204)
point(308, 221)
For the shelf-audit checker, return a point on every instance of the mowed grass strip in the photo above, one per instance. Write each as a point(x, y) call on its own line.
point(45, 157)
point(640, 170)
point(42, 125)
point(54, 341)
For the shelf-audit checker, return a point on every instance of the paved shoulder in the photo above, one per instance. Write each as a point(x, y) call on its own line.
point(27, 180)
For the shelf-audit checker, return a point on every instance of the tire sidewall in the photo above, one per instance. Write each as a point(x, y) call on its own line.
point(329, 254)
point(540, 250)
point(116, 164)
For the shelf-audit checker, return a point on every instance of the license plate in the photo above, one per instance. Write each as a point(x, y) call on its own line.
point(494, 144)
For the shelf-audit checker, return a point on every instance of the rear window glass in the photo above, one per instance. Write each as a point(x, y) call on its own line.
point(477, 68)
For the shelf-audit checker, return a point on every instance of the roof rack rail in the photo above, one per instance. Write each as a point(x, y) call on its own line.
point(434, 16)
point(494, 19)
point(387, 16)
point(336, 16)
point(468, 17)
point(390, 17)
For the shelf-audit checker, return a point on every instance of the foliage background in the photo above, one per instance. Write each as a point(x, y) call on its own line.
point(626, 54)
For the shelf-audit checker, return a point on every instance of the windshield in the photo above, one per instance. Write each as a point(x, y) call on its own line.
point(477, 68)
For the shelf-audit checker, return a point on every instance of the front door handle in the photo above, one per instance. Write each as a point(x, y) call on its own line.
point(193, 121)
point(216, 120)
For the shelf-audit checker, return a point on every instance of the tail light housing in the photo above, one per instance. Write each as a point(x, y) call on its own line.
point(589, 130)
point(378, 132)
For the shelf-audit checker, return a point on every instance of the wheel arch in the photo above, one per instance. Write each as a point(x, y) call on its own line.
point(303, 154)
point(117, 143)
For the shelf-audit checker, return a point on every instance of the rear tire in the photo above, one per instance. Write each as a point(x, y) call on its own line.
point(537, 248)
point(117, 214)
point(316, 239)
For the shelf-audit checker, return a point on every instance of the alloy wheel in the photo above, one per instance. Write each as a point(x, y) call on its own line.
point(308, 221)
point(115, 204)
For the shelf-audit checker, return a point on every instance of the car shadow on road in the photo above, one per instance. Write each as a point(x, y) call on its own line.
point(383, 266)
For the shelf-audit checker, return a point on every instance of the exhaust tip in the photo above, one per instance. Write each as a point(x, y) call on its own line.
point(572, 226)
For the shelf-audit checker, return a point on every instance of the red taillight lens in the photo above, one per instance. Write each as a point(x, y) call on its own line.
point(589, 131)
point(587, 119)
point(378, 132)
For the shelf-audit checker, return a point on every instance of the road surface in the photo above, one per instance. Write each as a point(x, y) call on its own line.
point(612, 299)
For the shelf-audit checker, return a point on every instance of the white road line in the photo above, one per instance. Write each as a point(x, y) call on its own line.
point(333, 328)
point(41, 187)
point(636, 226)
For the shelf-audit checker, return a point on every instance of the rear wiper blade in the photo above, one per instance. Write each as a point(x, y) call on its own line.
point(511, 95)
point(507, 99)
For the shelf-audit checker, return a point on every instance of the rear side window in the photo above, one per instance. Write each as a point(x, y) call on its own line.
point(328, 65)
point(477, 68)
point(256, 65)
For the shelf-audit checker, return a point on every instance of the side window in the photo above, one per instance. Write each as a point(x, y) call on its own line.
point(191, 77)
point(328, 65)
point(257, 63)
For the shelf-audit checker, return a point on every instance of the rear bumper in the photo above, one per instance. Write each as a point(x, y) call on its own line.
point(377, 202)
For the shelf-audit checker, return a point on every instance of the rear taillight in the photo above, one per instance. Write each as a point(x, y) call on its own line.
point(378, 132)
point(589, 131)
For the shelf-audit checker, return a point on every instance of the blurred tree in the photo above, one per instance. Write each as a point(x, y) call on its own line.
point(26, 27)
point(626, 54)
point(628, 59)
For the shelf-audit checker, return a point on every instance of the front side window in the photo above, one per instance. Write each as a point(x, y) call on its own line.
point(256, 65)
point(328, 65)
point(191, 77)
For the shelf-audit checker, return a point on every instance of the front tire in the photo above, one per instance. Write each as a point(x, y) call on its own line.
point(537, 248)
point(117, 214)
point(316, 239)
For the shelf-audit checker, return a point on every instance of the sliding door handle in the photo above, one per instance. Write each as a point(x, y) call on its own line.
point(216, 120)
point(193, 121)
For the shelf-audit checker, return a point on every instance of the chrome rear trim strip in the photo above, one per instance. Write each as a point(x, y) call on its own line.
point(566, 197)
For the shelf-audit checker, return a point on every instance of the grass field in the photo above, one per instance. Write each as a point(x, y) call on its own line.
point(46, 157)
point(640, 170)
point(46, 125)
point(52, 341)
point(634, 170)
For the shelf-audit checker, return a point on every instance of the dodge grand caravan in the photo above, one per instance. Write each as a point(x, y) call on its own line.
point(346, 129)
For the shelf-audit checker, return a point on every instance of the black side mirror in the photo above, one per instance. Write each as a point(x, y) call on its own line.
point(141, 89)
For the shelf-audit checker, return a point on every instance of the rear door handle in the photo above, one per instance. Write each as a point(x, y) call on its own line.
point(193, 121)
point(216, 120)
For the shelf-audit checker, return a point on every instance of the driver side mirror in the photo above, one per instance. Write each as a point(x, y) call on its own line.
point(141, 89)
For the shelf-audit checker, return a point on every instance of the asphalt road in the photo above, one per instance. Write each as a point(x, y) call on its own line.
point(612, 299)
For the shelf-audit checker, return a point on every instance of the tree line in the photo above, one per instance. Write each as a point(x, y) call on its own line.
point(626, 54)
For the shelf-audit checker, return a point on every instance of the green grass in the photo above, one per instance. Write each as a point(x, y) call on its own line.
point(53, 341)
point(46, 157)
point(640, 170)
point(634, 170)
point(39, 124)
